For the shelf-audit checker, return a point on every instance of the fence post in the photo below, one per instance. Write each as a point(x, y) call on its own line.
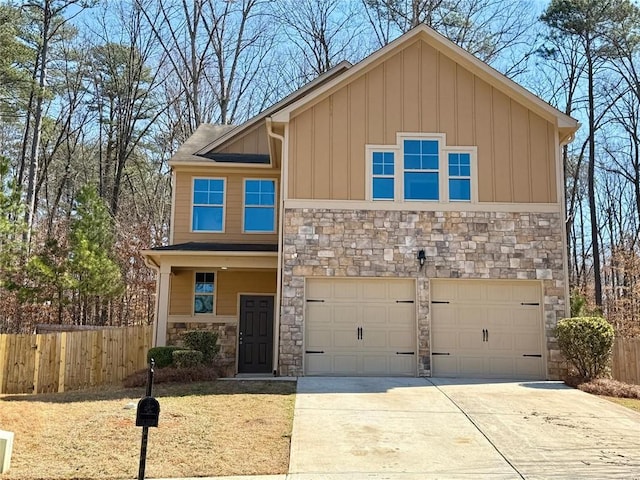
point(3, 362)
point(63, 361)
point(37, 362)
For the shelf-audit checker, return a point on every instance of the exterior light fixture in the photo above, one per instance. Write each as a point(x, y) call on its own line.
point(421, 257)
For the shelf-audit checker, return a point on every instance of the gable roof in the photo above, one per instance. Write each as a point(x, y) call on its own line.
point(566, 124)
point(216, 143)
point(201, 137)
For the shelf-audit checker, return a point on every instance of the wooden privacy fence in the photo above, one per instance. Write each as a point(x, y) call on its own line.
point(55, 362)
point(626, 360)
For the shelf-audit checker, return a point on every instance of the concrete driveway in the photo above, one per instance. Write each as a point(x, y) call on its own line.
point(405, 429)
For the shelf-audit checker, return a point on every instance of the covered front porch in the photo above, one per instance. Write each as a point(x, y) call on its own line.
point(227, 288)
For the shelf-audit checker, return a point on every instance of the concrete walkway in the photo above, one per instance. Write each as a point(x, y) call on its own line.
point(405, 429)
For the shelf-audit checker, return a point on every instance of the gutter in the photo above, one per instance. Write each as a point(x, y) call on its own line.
point(149, 262)
point(276, 351)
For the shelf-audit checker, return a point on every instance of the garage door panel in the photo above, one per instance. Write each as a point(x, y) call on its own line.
point(374, 315)
point(470, 340)
point(367, 324)
point(486, 328)
point(401, 340)
point(345, 364)
point(318, 338)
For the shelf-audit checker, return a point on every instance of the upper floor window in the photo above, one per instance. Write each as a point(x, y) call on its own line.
point(259, 205)
point(428, 170)
point(208, 205)
point(383, 175)
point(204, 292)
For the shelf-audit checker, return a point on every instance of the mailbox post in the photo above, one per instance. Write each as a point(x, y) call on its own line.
point(147, 416)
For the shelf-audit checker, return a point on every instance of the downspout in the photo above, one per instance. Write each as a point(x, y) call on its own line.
point(156, 268)
point(276, 327)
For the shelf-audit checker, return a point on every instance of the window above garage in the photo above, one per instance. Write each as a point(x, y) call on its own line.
point(421, 168)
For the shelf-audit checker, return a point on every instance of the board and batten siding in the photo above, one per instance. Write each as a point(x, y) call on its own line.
point(229, 284)
point(254, 140)
point(234, 204)
point(419, 89)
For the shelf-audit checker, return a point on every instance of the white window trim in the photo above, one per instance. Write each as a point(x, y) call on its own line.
point(224, 204)
point(275, 204)
point(473, 175)
point(369, 163)
point(443, 169)
point(214, 294)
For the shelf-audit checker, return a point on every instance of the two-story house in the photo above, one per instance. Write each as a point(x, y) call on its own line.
point(401, 216)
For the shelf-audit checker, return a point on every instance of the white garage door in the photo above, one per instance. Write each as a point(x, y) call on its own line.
point(487, 328)
point(360, 327)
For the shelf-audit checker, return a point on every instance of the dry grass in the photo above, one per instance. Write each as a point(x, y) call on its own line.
point(208, 428)
point(610, 388)
point(632, 403)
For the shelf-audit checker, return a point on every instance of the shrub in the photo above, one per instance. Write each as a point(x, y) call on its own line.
point(162, 355)
point(204, 341)
point(586, 342)
point(187, 358)
point(171, 375)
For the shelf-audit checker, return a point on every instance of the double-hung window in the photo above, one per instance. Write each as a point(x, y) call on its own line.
point(459, 176)
point(208, 205)
point(204, 292)
point(383, 178)
point(259, 205)
point(421, 170)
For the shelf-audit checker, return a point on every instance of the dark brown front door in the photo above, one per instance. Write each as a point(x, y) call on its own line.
point(256, 334)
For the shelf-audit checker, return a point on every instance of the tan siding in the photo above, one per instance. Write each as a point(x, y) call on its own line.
point(484, 141)
point(429, 76)
point(253, 141)
point(233, 208)
point(520, 153)
point(321, 187)
point(231, 283)
point(502, 146)
point(340, 147)
point(181, 297)
point(540, 185)
point(393, 99)
point(375, 106)
point(447, 98)
point(465, 117)
point(418, 89)
point(357, 127)
point(411, 93)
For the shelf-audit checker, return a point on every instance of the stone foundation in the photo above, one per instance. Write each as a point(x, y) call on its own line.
point(371, 243)
point(227, 339)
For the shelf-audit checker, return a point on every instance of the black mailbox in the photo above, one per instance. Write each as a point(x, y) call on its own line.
point(148, 412)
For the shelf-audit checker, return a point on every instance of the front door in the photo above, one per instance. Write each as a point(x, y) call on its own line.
point(255, 338)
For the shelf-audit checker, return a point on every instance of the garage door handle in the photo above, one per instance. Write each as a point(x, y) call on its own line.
point(439, 353)
point(314, 351)
point(537, 355)
point(404, 301)
point(530, 303)
point(405, 353)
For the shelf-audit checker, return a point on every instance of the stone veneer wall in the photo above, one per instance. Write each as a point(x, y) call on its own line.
point(377, 243)
point(227, 336)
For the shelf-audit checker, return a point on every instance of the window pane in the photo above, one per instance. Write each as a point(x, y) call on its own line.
point(216, 198)
point(412, 162)
point(465, 159)
point(207, 219)
point(430, 162)
point(377, 158)
point(421, 186)
point(430, 146)
point(465, 171)
point(454, 171)
point(383, 188)
point(201, 198)
point(216, 185)
point(203, 304)
point(412, 146)
point(200, 185)
point(460, 189)
point(208, 277)
point(252, 186)
point(204, 287)
point(258, 219)
point(252, 198)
